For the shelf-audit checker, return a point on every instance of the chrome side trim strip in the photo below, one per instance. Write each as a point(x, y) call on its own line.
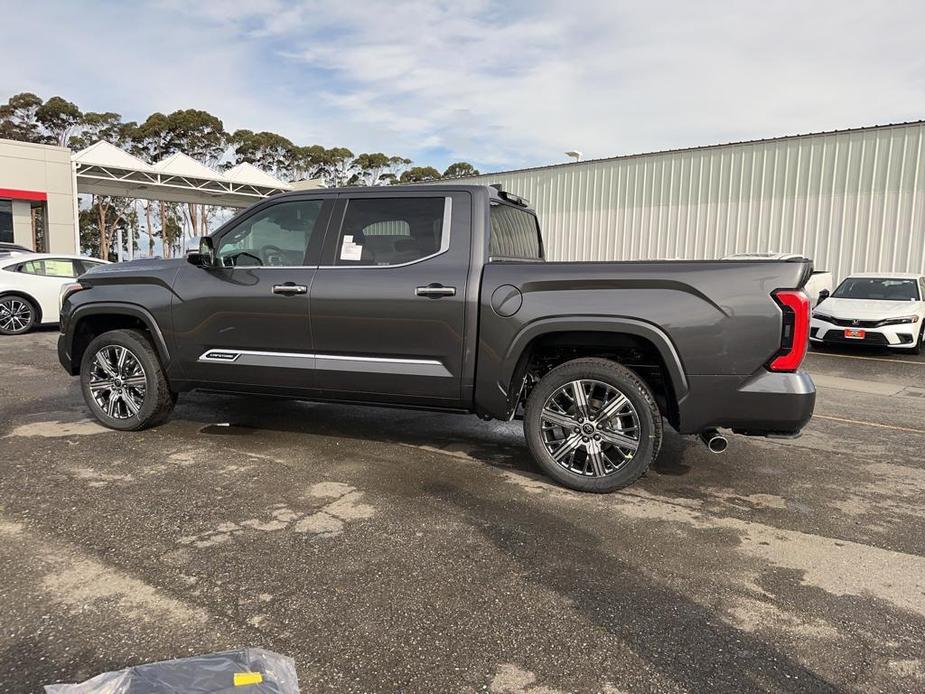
point(230, 355)
point(327, 362)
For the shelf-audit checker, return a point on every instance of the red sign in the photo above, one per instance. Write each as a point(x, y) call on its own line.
point(13, 194)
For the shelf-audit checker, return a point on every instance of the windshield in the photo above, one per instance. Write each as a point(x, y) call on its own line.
point(878, 289)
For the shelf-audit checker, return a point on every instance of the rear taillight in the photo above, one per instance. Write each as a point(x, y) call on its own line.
point(795, 332)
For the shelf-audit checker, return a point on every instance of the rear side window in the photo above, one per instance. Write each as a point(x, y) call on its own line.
point(50, 267)
point(514, 234)
point(391, 231)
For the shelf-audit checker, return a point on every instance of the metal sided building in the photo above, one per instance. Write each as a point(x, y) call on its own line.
point(852, 200)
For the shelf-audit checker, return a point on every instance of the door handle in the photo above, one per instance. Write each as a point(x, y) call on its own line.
point(290, 289)
point(435, 291)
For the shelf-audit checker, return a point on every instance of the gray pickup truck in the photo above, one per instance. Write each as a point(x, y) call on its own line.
point(439, 297)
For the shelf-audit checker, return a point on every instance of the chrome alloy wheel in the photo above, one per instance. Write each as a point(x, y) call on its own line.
point(590, 428)
point(15, 315)
point(117, 382)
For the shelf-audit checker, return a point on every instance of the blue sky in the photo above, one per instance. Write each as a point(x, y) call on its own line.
point(501, 85)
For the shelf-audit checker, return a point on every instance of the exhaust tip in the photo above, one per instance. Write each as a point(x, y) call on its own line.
point(714, 441)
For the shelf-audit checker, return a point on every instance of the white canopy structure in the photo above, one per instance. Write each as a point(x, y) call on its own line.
point(105, 169)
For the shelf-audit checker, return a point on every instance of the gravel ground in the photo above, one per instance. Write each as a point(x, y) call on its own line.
point(388, 550)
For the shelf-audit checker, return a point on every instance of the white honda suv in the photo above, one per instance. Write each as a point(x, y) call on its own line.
point(886, 309)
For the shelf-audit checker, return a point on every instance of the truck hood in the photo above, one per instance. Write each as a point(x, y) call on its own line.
point(868, 309)
point(134, 267)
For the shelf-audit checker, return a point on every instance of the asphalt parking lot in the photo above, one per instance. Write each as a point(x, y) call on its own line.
point(388, 550)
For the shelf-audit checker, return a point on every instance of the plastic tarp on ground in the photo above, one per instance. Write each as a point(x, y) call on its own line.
point(244, 671)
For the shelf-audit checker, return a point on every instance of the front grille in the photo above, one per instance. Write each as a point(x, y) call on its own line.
point(835, 336)
point(849, 323)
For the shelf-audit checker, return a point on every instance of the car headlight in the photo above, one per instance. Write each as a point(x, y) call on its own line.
point(901, 320)
point(822, 316)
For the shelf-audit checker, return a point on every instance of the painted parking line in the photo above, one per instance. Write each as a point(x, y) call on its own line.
point(868, 424)
point(852, 356)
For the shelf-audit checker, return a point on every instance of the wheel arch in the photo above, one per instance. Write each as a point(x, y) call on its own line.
point(593, 336)
point(89, 320)
point(28, 297)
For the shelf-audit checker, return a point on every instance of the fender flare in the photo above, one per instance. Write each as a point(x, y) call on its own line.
point(600, 324)
point(121, 309)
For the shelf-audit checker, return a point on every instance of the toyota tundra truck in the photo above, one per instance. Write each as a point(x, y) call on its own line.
point(440, 297)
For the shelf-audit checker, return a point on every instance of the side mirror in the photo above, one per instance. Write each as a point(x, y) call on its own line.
point(823, 295)
point(204, 256)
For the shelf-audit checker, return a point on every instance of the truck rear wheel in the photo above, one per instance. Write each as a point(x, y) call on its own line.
point(123, 381)
point(593, 425)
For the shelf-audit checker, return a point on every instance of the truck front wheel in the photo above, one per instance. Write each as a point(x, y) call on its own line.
point(593, 425)
point(123, 381)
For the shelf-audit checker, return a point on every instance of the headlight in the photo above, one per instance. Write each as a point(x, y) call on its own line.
point(901, 320)
point(66, 290)
point(822, 316)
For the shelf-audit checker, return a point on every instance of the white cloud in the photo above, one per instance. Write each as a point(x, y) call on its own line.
point(501, 84)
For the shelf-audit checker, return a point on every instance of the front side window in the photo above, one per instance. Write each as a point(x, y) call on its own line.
point(276, 236)
point(877, 289)
point(390, 231)
point(514, 234)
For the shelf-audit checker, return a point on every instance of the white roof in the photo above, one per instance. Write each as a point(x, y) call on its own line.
point(180, 164)
point(248, 173)
point(105, 169)
point(107, 155)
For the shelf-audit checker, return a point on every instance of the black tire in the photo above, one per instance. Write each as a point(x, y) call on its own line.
point(625, 382)
point(157, 401)
point(15, 309)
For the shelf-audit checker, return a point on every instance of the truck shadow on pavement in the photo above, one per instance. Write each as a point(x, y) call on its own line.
point(499, 444)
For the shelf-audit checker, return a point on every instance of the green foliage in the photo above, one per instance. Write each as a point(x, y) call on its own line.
point(419, 174)
point(18, 118)
point(103, 126)
point(460, 168)
point(58, 118)
point(197, 133)
point(116, 214)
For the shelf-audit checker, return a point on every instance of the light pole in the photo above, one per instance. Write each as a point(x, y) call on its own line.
point(575, 154)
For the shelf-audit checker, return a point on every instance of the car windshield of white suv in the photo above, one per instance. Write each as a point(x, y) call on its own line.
point(877, 289)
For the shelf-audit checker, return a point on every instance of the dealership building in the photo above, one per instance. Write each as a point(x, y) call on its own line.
point(852, 200)
point(38, 206)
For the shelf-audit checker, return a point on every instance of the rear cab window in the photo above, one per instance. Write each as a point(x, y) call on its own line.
point(515, 234)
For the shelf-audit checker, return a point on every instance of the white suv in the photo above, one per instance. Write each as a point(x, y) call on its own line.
point(30, 284)
point(874, 308)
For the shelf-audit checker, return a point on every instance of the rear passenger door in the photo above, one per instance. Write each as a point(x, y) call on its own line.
point(388, 301)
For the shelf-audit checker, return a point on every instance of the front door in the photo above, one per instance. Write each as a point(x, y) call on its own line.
point(244, 324)
point(388, 302)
